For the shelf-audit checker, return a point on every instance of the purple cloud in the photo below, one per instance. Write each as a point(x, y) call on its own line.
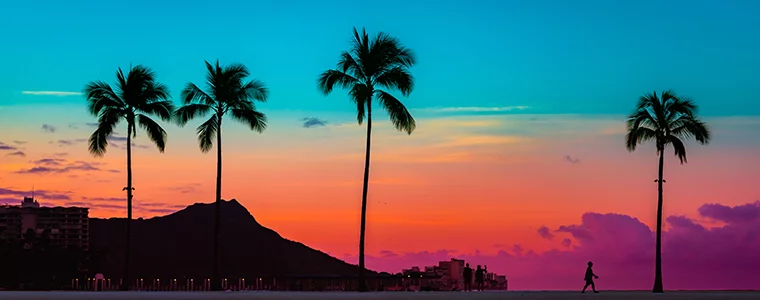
point(745, 213)
point(17, 153)
point(70, 142)
point(571, 159)
point(45, 194)
point(53, 166)
point(545, 233)
point(622, 248)
point(4, 146)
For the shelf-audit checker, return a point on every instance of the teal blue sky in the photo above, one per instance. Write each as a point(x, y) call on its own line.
point(581, 56)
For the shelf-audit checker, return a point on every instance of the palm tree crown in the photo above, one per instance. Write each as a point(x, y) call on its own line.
point(668, 119)
point(370, 63)
point(137, 96)
point(227, 92)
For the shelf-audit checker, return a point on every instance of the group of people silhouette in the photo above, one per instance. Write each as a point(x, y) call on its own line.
point(480, 277)
point(480, 274)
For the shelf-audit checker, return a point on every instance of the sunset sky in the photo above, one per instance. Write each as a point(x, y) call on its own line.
point(518, 159)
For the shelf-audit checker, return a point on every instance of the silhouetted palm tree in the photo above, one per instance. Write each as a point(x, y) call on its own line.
point(371, 63)
point(667, 120)
point(137, 97)
point(226, 93)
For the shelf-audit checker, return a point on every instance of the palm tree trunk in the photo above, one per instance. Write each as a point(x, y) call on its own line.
point(362, 230)
point(658, 255)
point(215, 280)
point(126, 282)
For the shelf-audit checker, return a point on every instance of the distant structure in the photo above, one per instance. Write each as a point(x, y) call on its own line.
point(446, 276)
point(66, 226)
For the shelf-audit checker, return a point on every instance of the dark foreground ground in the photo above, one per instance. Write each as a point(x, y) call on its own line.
point(373, 296)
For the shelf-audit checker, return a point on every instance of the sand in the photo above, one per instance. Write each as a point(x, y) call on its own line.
point(374, 296)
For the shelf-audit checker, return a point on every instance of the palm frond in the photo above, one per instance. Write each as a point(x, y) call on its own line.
point(155, 132)
point(99, 96)
point(212, 74)
point(678, 146)
point(330, 78)
point(253, 90)
point(361, 94)
point(234, 74)
point(361, 107)
point(668, 119)
point(691, 127)
point(397, 78)
point(254, 119)
point(638, 136)
point(162, 109)
point(207, 132)
point(390, 52)
point(400, 116)
point(641, 117)
point(193, 94)
point(108, 119)
point(190, 111)
point(155, 92)
point(360, 45)
point(139, 80)
point(347, 64)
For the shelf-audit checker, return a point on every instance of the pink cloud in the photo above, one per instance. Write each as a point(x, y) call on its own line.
point(622, 249)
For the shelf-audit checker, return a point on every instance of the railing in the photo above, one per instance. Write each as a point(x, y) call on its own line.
point(260, 284)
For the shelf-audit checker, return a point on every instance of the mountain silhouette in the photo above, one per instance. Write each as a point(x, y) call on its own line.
point(179, 245)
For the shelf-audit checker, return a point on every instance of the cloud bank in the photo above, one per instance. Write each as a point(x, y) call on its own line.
point(695, 257)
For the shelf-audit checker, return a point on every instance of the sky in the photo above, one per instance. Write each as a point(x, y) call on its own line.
point(518, 160)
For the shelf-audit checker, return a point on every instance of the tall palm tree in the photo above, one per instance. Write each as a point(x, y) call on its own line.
point(371, 64)
point(227, 92)
point(137, 97)
point(666, 120)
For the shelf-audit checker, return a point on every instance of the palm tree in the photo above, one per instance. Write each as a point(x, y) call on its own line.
point(226, 93)
point(370, 64)
point(137, 97)
point(667, 120)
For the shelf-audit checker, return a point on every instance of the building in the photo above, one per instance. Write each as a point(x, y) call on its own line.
point(448, 275)
point(65, 226)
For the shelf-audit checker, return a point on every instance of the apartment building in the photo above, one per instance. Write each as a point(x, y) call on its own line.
point(66, 226)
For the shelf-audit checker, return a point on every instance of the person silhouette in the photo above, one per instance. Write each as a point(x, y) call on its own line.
point(589, 278)
point(479, 277)
point(467, 276)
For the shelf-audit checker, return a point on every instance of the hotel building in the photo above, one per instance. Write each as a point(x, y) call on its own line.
point(66, 226)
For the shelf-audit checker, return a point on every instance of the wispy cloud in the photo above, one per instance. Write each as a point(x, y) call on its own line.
point(38, 193)
point(19, 142)
point(48, 128)
point(4, 146)
point(186, 189)
point(51, 93)
point(69, 142)
point(475, 109)
point(58, 166)
point(313, 122)
point(17, 153)
point(572, 160)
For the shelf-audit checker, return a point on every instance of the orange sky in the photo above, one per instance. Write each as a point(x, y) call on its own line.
point(459, 182)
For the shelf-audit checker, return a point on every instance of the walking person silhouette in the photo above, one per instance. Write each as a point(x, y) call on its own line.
point(467, 276)
point(589, 278)
point(479, 274)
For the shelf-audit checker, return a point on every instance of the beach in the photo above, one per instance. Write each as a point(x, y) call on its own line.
point(529, 295)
